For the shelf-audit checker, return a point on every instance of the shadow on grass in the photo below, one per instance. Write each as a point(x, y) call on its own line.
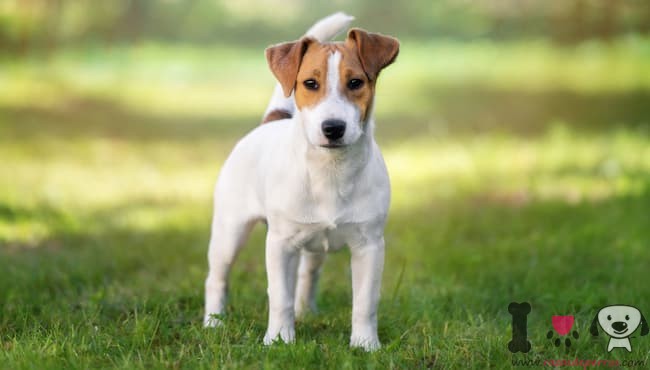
point(467, 110)
point(83, 117)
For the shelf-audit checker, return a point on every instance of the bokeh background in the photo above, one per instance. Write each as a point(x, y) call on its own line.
point(516, 132)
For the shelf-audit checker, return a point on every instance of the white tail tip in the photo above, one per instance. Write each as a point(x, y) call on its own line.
point(330, 26)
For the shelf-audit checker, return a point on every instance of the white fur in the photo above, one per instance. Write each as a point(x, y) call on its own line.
point(314, 200)
point(330, 26)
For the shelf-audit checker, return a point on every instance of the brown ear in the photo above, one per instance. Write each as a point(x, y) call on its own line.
point(376, 51)
point(284, 60)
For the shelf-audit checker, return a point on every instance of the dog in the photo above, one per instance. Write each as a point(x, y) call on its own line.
point(314, 174)
point(619, 322)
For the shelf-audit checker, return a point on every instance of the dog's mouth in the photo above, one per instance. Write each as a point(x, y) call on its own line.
point(333, 145)
point(620, 332)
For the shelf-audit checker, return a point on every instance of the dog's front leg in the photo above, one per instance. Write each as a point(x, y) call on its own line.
point(367, 267)
point(281, 266)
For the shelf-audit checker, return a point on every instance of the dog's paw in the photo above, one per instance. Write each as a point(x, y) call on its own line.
point(212, 321)
point(287, 335)
point(369, 344)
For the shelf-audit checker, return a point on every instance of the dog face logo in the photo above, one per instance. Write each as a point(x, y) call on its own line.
point(619, 322)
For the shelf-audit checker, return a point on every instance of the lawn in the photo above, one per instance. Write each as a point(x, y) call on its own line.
point(520, 172)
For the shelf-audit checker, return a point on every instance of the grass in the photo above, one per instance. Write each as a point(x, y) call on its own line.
point(520, 172)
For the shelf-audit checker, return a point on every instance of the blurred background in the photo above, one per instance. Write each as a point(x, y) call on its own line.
point(104, 103)
point(503, 122)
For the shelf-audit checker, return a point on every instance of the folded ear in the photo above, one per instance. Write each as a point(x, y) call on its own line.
point(644, 326)
point(593, 329)
point(284, 60)
point(376, 51)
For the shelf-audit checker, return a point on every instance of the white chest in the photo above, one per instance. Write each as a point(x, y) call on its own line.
point(322, 237)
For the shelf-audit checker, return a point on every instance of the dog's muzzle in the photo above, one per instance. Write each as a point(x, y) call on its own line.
point(333, 129)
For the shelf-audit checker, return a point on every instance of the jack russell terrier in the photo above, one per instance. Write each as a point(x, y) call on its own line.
point(314, 174)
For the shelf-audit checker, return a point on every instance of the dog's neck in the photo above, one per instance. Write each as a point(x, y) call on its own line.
point(332, 172)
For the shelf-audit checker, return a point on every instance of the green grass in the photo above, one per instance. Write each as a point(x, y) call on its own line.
point(520, 172)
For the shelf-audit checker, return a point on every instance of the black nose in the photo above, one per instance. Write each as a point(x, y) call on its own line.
point(333, 129)
point(619, 325)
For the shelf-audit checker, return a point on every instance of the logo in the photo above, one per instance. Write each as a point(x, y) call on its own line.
point(519, 312)
point(619, 322)
point(562, 326)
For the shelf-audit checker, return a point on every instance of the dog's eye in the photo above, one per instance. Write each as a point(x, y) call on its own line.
point(310, 84)
point(609, 317)
point(355, 84)
point(627, 317)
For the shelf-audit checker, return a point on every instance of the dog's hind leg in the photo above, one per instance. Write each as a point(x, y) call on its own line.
point(228, 237)
point(308, 274)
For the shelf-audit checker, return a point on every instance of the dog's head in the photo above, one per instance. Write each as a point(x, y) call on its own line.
point(619, 321)
point(333, 83)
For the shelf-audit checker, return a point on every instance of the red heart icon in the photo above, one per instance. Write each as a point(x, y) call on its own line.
point(562, 324)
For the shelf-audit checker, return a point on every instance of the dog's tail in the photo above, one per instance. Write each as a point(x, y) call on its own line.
point(330, 26)
point(281, 107)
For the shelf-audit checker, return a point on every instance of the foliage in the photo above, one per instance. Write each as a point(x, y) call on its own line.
point(34, 26)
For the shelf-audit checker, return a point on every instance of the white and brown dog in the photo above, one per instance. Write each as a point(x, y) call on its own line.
point(315, 175)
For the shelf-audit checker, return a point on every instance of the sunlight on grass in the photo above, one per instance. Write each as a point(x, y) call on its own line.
point(561, 164)
point(73, 153)
point(99, 174)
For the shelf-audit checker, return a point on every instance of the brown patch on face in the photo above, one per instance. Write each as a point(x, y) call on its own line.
point(351, 69)
point(363, 56)
point(313, 67)
point(276, 115)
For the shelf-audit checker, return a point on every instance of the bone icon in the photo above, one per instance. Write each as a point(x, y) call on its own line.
point(519, 312)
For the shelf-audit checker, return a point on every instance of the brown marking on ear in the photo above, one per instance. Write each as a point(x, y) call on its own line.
point(375, 50)
point(275, 115)
point(284, 60)
point(314, 66)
